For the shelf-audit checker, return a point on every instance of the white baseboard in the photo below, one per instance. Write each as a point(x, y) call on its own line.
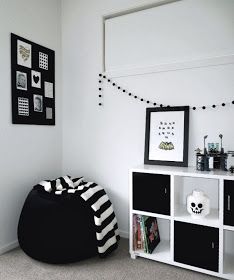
point(123, 234)
point(9, 247)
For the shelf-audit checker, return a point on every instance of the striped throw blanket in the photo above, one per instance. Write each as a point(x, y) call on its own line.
point(95, 196)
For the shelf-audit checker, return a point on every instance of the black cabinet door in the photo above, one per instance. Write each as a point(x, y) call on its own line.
point(151, 193)
point(196, 245)
point(229, 203)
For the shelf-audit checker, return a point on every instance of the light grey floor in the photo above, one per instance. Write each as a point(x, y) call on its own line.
point(15, 265)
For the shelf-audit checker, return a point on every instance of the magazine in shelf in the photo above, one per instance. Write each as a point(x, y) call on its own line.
point(145, 233)
point(152, 233)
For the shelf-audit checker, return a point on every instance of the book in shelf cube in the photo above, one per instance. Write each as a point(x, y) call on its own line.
point(145, 233)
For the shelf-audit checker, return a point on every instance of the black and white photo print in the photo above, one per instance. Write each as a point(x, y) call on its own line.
point(21, 80)
point(166, 140)
point(32, 82)
point(49, 113)
point(38, 103)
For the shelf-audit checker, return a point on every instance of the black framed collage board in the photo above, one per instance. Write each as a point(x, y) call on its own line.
point(33, 82)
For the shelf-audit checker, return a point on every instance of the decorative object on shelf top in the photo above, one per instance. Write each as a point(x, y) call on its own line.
point(198, 204)
point(103, 77)
point(231, 169)
point(231, 153)
point(219, 156)
point(205, 137)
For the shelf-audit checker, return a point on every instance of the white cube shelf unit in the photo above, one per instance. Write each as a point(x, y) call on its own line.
point(205, 245)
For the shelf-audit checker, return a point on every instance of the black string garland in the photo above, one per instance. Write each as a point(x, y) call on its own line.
point(102, 78)
point(100, 89)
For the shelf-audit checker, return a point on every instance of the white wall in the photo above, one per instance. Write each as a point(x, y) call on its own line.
point(28, 153)
point(102, 143)
point(179, 31)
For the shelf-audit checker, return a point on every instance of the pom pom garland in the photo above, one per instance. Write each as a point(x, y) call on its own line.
point(194, 108)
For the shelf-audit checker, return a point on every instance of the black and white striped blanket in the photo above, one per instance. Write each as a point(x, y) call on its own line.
point(95, 196)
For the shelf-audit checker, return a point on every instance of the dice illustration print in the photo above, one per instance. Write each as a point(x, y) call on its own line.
point(43, 61)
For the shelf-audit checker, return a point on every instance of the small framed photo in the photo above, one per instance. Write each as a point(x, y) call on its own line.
point(38, 103)
point(166, 136)
point(21, 80)
point(49, 113)
point(24, 54)
point(49, 89)
point(36, 79)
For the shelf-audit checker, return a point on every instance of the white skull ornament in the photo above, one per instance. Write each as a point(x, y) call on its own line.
point(198, 204)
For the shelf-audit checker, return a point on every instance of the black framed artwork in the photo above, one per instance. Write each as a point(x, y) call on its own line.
point(166, 136)
point(32, 82)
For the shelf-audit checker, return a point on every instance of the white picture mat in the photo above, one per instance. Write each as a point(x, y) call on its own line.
point(178, 139)
point(49, 90)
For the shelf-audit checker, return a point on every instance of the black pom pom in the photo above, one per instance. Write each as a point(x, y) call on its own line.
point(99, 81)
point(135, 96)
point(203, 107)
point(104, 77)
point(129, 94)
point(100, 95)
point(161, 105)
point(124, 90)
point(213, 106)
point(100, 88)
point(108, 80)
point(194, 108)
point(147, 101)
point(168, 106)
point(100, 104)
point(155, 104)
point(119, 87)
point(223, 104)
point(100, 75)
point(113, 84)
point(233, 102)
point(142, 99)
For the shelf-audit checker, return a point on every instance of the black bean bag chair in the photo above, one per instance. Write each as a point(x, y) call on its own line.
point(56, 228)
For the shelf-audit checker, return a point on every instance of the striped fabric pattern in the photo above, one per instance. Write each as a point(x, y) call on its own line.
point(107, 233)
point(106, 225)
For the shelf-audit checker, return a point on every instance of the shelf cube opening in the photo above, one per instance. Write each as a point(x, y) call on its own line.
point(185, 186)
point(228, 252)
point(163, 247)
